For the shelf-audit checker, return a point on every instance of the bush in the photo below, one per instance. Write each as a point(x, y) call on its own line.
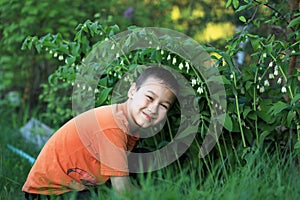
point(262, 92)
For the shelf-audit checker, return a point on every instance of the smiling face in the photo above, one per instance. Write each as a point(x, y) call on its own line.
point(148, 105)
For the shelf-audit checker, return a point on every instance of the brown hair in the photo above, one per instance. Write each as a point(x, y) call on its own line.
point(161, 74)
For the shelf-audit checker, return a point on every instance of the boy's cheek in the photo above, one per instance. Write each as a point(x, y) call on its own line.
point(162, 118)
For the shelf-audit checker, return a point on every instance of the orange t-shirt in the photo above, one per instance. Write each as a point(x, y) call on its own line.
point(84, 152)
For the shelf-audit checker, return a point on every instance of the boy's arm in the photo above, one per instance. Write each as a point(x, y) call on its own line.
point(121, 183)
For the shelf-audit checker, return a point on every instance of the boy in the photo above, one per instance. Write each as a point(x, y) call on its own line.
point(91, 148)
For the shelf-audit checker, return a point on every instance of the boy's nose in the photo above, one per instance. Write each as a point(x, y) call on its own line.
point(152, 108)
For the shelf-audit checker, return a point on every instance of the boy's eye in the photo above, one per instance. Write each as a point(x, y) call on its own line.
point(149, 98)
point(164, 106)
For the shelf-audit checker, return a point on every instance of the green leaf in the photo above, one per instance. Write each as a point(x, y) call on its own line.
point(228, 123)
point(255, 42)
point(252, 116)
point(278, 107)
point(297, 145)
point(25, 43)
point(248, 85)
point(244, 7)
point(295, 99)
point(246, 111)
point(63, 49)
point(70, 60)
point(263, 135)
point(290, 118)
point(78, 36)
point(103, 96)
point(294, 22)
point(52, 79)
point(228, 3)
point(38, 47)
point(226, 81)
point(235, 4)
point(243, 19)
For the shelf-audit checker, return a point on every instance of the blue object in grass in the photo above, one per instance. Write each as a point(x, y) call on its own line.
point(21, 153)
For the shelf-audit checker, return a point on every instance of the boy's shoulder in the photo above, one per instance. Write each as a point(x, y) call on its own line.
point(112, 116)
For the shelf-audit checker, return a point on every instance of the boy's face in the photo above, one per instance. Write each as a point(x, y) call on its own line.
point(149, 104)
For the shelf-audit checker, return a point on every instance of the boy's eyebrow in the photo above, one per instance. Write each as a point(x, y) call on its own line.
point(157, 95)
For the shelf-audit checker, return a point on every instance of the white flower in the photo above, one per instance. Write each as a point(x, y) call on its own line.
point(231, 76)
point(279, 80)
point(276, 72)
point(194, 82)
point(122, 62)
point(51, 52)
point(55, 55)
point(169, 57)
point(283, 89)
point(106, 39)
point(60, 57)
point(259, 108)
point(220, 107)
point(174, 61)
point(266, 83)
point(150, 42)
point(187, 67)
point(271, 76)
point(112, 47)
point(46, 49)
point(261, 89)
point(96, 90)
point(83, 87)
point(257, 86)
point(162, 52)
point(117, 55)
point(264, 55)
point(259, 78)
point(200, 90)
point(157, 48)
point(180, 66)
point(90, 88)
point(271, 64)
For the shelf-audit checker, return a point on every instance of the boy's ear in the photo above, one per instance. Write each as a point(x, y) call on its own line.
point(131, 90)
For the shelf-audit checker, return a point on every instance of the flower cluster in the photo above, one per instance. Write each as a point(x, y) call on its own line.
point(273, 75)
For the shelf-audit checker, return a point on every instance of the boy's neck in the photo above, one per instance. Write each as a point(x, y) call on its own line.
point(133, 128)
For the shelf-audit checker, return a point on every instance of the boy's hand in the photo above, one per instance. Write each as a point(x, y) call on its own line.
point(121, 183)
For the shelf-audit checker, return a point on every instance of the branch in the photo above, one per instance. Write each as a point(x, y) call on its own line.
point(272, 8)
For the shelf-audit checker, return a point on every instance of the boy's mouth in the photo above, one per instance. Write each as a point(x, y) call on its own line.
point(147, 116)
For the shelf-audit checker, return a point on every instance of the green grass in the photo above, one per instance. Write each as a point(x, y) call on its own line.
point(260, 176)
